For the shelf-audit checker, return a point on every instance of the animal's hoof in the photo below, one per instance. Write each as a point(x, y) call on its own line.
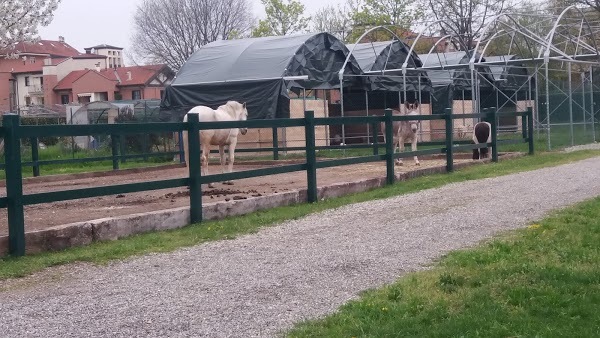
point(399, 163)
point(418, 163)
point(228, 183)
point(211, 185)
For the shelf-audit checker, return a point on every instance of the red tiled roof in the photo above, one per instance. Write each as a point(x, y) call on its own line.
point(140, 75)
point(67, 81)
point(90, 56)
point(52, 48)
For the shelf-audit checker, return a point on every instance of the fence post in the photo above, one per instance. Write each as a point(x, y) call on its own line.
point(114, 142)
point(194, 168)
point(311, 156)
point(530, 130)
point(375, 138)
point(449, 140)
point(389, 147)
point(14, 185)
point(35, 156)
point(275, 144)
point(493, 117)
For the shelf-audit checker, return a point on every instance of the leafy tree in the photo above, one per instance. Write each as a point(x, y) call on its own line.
point(398, 14)
point(20, 19)
point(283, 17)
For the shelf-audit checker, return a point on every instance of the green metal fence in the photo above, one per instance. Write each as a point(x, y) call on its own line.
point(13, 133)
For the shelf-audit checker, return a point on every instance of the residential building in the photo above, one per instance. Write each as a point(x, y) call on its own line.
point(52, 73)
point(114, 54)
point(124, 83)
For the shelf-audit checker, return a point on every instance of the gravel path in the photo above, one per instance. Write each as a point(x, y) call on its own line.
point(259, 284)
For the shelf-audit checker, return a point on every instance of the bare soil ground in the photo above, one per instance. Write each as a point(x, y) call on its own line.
point(42, 216)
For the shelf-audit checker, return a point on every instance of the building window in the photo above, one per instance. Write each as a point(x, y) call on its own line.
point(136, 95)
point(26, 81)
point(32, 59)
point(42, 81)
point(64, 99)
point(27, 101)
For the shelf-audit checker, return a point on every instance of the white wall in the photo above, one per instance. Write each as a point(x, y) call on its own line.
point(64, 68)
point(23, 91)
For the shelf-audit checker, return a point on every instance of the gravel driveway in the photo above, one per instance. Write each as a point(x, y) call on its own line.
point(257, 285)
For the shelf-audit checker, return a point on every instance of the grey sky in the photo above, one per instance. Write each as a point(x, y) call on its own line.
point(85, 23)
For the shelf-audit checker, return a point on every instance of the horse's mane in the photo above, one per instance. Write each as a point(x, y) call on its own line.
point(231, 107)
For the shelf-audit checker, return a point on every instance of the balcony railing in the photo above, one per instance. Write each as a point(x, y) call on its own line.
point(36, 89)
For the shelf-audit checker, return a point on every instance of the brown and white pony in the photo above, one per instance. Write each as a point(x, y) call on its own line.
point(405, 130)
point(482, 133)
point(231, 111)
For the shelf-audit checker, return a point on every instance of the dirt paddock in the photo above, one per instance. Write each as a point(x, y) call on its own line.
point(43, 216)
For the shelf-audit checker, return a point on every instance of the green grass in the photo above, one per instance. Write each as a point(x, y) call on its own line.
point(57, 153)
point(543, 281)
point(231, 227)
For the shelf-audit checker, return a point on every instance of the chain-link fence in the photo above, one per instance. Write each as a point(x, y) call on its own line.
point(149, 147)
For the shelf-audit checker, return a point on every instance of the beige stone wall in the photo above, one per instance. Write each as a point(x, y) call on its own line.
point(290, 137)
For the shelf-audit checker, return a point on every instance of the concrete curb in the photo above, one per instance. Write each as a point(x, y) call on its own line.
point(107, 229)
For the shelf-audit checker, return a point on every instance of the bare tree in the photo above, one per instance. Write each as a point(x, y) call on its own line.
point(465, 19)
point(336, 21)
point(170, 31)
point(20, 19)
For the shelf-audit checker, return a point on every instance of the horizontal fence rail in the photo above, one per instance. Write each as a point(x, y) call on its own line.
point(13, 133)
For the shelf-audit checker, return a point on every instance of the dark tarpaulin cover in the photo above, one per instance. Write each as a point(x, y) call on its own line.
point(460, 78)
point(256, 94)
point(252, 70)
point(511, 78)
point(388, 55)
point(441, 98)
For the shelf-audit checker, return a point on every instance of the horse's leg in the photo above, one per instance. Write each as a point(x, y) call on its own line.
point(400, 149)
point(222, 156)
point(231, 153)
point(414, 148)
point(186, 150)
point(204, 160)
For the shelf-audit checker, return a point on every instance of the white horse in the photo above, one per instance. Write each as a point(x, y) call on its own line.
point(405, 130)
point(231, 111)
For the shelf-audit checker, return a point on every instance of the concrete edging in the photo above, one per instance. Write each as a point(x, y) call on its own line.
point(107, 229)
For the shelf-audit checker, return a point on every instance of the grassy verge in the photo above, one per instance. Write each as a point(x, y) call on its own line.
point(57, 153)
point(543, 281)
point(231, 227)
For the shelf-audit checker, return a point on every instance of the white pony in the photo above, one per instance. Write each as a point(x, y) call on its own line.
point(231, 111)
point(405, 130)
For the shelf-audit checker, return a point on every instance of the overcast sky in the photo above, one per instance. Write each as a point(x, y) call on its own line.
point(92, 22)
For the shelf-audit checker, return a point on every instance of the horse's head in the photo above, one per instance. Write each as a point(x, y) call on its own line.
point(411, 108)
point(240, 113)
